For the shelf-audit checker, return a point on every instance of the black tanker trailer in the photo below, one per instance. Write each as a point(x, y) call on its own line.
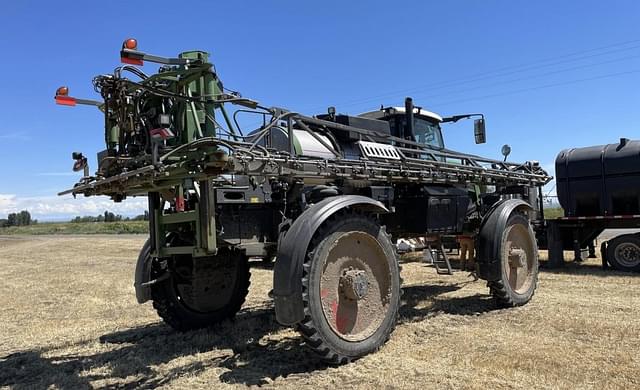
point(599, 188)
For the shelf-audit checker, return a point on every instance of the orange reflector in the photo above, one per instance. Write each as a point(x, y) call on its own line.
point(131, 61)
point(65, 100)
point(62, 91)
point(130, 44)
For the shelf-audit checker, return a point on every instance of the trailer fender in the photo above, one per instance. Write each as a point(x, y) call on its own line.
point(143, 273)
point(287, 275)
point(490, 237)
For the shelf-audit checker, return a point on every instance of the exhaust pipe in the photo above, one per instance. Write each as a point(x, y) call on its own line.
point(408, 110)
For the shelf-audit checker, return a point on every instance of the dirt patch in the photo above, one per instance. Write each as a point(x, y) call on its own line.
point(70, 320)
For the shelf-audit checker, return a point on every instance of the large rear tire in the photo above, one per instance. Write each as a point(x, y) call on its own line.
point(351, 288)
point(518, 264)
point(212, 293)
point(623, 253)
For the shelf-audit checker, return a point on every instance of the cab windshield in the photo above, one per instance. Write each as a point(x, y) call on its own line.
point(428, 133)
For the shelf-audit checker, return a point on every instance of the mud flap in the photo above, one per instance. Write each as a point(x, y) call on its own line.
point(292, 250)
point(490, 236)
point(143, 273)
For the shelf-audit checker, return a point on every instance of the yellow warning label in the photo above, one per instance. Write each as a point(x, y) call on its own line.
point(254, 199)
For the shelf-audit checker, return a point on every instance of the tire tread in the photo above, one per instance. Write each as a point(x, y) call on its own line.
point(173, 316)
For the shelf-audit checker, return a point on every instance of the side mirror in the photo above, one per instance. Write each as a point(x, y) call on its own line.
point(506, 151)
point(479, 131)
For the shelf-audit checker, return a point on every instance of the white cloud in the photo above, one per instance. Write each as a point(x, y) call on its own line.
point(16, 136)
point(65, 207)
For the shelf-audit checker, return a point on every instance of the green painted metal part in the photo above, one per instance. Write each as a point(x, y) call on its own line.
point(198, 121)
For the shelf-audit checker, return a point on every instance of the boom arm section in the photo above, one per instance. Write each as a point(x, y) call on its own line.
point(207, 157)
point(162, 130)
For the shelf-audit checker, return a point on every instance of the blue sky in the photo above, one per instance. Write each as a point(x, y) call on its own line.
point(548, 75)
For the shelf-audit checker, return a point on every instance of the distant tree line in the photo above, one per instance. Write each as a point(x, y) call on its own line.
point(110, 217)
point(23, 218)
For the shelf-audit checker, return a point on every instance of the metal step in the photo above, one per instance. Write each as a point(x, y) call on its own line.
point(438, 257)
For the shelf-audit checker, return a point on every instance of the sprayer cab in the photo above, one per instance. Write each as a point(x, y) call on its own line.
point(419, 125)
point(424, 125)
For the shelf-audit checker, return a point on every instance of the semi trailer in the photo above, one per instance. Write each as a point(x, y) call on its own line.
point(327, 195)
point(598, 188)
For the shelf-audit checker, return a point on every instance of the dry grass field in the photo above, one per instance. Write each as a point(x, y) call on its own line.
point(69, 320)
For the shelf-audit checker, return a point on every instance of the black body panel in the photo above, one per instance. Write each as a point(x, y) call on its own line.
point(433, 210)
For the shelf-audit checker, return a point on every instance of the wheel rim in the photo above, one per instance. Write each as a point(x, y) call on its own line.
point(208, 289)
point(518, 258)
point(355, 286)
point(627, 254)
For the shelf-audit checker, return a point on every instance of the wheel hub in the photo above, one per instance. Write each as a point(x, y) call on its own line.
point(628, 254)
point(517, 258)
point(354, 284)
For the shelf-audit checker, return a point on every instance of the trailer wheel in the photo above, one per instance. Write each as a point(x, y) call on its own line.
point(623, 253)
point(351, 288)
point(519, 264)
point(215, 292)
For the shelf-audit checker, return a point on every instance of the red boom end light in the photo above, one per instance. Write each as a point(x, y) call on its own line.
point(130, 58)
point(63, 98)
point(131, 44)
point(62, 91)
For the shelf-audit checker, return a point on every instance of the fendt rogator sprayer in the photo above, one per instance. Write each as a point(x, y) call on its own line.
point(324, 194)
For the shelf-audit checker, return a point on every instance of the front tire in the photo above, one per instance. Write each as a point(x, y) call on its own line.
point(351, 288)
point(212, 293)
point(518, 264)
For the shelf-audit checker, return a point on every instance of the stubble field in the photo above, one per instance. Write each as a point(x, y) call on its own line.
point(69, 319)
